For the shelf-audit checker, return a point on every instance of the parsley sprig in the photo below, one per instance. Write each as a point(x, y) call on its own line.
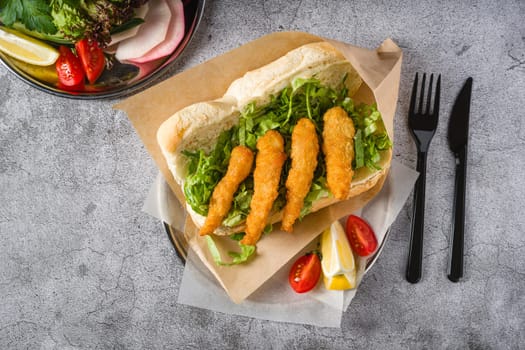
point(35, 15)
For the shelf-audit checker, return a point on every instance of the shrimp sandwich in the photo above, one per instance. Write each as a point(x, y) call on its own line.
point(285, 140)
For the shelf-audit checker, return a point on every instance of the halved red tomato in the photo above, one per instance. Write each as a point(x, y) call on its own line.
point(69, 68)
point(92, 58)
point(305, 273)
point(361, 236)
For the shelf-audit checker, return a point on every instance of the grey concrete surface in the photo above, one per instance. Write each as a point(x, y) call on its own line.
point(83, 268)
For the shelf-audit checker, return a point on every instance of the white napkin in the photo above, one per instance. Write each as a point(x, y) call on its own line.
point(275, 300)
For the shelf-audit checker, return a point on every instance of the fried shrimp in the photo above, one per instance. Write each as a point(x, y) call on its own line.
point(239, 168)
point(304, 151)
point(338, 148)
point(268, 165)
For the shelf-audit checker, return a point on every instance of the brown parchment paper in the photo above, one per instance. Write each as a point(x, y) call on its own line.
point(380, 70)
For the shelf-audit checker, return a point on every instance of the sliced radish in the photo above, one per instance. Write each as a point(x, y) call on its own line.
point(173, 37)
point(151, 33)
point(139, 13)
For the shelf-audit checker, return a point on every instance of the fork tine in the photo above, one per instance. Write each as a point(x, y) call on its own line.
point(422, 93)
point(413, 98)
point(429, 95)
point(435, 111)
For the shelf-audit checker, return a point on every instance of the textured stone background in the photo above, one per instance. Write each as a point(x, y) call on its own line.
point(83, 268)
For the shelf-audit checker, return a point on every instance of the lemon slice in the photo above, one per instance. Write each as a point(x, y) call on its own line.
point(338, 262)
point(26, 49)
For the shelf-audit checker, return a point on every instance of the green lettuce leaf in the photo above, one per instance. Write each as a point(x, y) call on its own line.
point(303, 98)
point(237, 257)
point(205, 171)
point(370, 137)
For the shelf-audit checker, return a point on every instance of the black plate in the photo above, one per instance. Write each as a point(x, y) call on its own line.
point(122, 79)
point(168, 204)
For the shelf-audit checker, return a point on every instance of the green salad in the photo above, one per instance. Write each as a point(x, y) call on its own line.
point(69, 21)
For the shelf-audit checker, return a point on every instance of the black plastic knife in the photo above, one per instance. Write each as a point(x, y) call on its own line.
point(458, 139)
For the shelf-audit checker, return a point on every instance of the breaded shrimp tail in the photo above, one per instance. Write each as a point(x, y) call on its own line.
point(266, 176)
point(338, 148)
point(304, 151)
point(239, 167)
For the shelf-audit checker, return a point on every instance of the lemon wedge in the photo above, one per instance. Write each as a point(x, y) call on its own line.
point(340, 282)
point(338, 262)
point(26, 49)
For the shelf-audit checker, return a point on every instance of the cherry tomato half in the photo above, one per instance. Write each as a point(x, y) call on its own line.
point(361, 236)
point(305, 273)
point(92, 58)
point(69, 68)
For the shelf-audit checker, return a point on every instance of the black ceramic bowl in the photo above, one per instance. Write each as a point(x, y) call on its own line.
point(121, 79)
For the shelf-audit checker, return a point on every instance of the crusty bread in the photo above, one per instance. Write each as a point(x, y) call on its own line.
point(199, 125)
point(318, 59)
point(195, 127)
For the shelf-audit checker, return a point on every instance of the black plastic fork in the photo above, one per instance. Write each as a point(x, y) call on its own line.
point(423, 124)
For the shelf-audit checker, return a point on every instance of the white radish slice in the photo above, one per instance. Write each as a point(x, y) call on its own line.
point(173, 37)
point(151, 33)
point(139, 13)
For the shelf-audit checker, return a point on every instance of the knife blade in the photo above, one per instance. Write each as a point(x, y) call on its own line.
point(458, 131)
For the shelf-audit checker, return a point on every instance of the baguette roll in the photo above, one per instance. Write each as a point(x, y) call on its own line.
point(198, 126)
